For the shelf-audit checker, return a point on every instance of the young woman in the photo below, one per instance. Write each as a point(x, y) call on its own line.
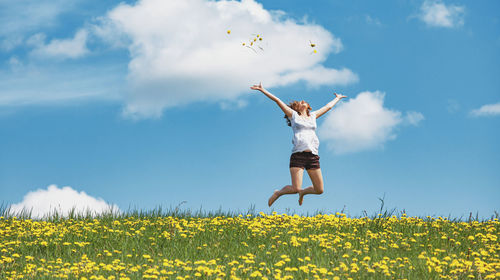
point(305, 145)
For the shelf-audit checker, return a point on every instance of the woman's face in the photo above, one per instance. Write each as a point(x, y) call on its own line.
point(303, 105)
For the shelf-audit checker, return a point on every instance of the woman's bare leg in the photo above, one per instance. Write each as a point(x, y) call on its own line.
point(296, 173)
point(316, 188)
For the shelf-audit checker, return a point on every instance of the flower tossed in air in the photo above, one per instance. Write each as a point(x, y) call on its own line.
point(313, 45)
point(252, 42)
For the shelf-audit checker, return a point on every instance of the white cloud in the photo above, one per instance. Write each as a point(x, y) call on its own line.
point(413, 118)
point(362, 123)
point(180, 51)
point(66, 48)
point(319, 75)
point(11, 42)
point(27, 81)
point(19, 18)
point(233, 104)
point(44, 203)
point(36, 40)
point(487, 110)
point(436, 13)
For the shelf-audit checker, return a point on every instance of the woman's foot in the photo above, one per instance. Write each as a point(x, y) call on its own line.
point(301, 197)
point(273, 198)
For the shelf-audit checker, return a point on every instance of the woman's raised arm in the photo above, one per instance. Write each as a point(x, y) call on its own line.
point(287, 110)
point(329, 105)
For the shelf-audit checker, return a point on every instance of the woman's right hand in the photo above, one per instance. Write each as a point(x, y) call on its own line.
point(257, 87)
point(287, 110)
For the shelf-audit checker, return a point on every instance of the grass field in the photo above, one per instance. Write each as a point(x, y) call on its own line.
point(254, 246)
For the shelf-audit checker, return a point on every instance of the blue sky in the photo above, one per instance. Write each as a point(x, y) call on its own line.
point(148, 103)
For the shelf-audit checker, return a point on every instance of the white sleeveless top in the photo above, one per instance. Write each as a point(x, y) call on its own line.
point(304, 133)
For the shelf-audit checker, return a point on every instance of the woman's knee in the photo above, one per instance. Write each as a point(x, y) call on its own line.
point(296, 187)
point(318, 188)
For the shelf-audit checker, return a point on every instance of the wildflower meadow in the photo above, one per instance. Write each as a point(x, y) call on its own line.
point(248, 246)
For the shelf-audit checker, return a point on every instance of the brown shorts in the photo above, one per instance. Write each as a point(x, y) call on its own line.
point(305, 160)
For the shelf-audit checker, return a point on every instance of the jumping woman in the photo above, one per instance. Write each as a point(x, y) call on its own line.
point(305, 145)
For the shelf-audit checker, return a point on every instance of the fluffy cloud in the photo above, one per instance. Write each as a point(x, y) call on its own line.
point(362, 123)
point(44, 203)
point(180, 51)
point(487, 110)
point(435, 13)
point(66, 48)
point(19, 18)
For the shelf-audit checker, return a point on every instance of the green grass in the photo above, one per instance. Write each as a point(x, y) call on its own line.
point(177, 243)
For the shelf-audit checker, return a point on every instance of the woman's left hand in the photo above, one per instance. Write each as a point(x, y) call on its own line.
point(339, 96)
